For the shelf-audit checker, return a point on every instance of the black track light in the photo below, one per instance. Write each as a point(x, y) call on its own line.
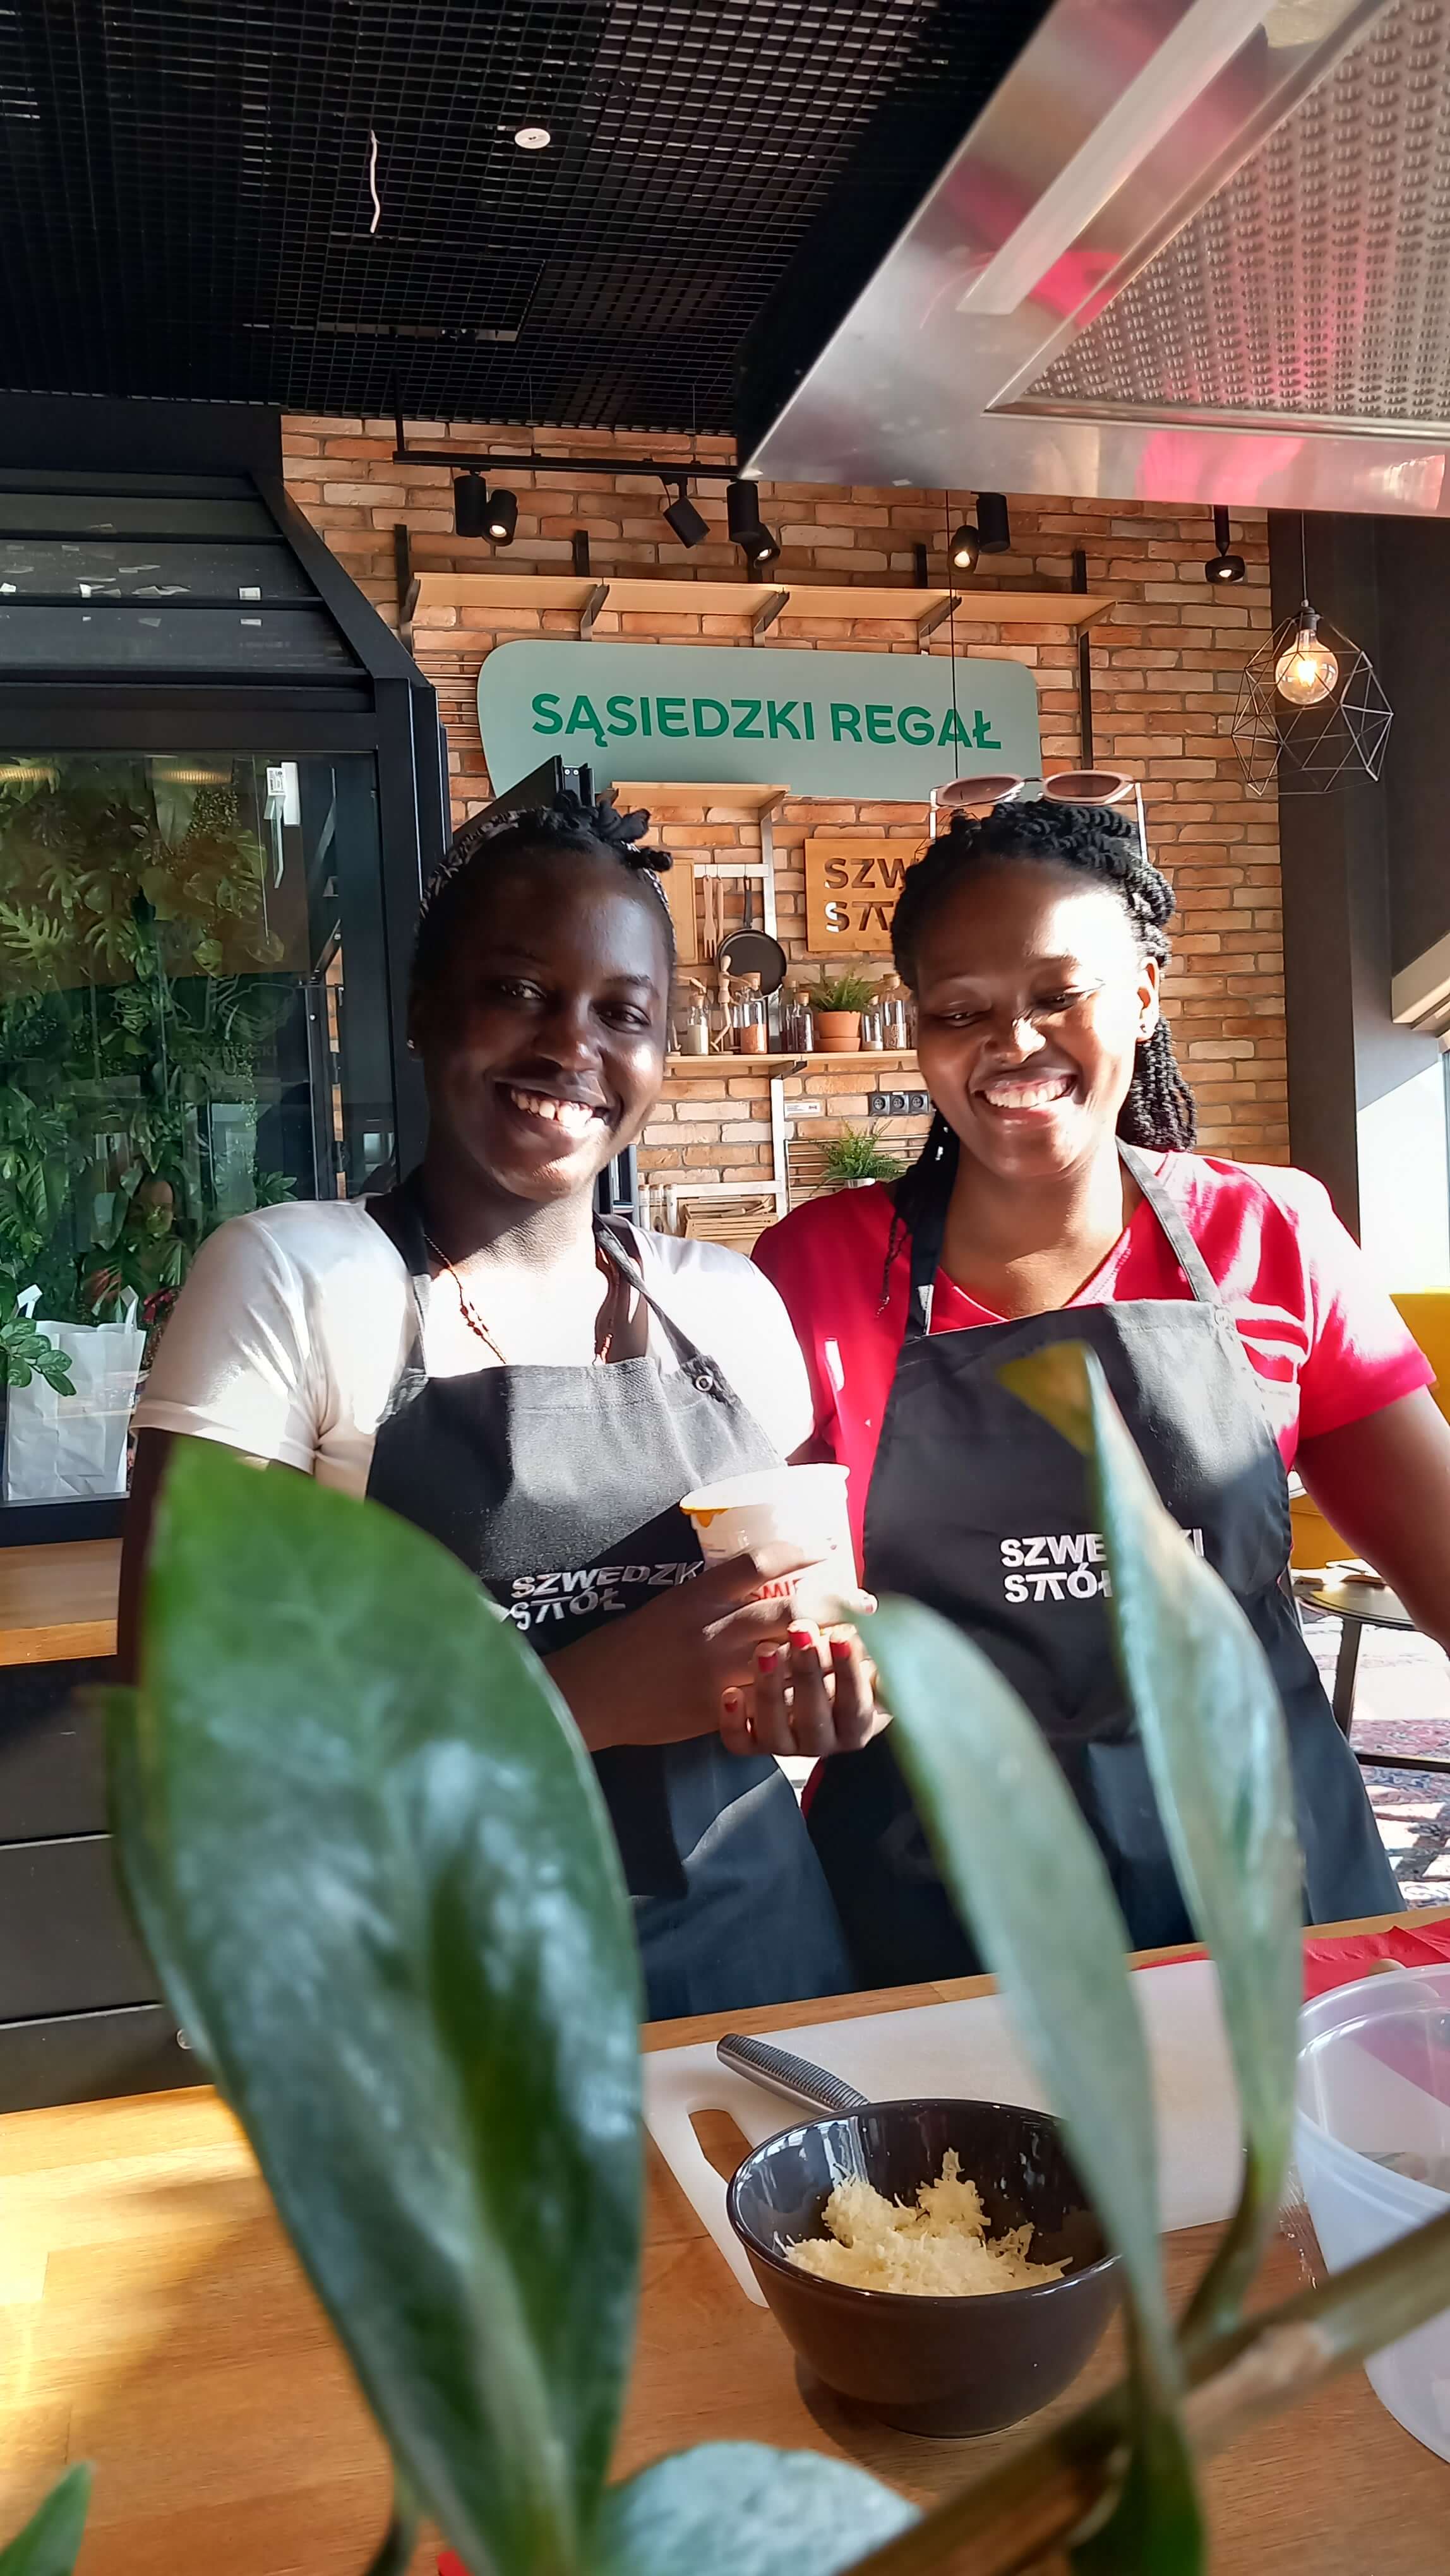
point(964, 548)
point(761, 548)
point(1222, 566)
point(742, 512)
point(501, 517)
point(994, 528)
point(689, 524)
point(470, 506)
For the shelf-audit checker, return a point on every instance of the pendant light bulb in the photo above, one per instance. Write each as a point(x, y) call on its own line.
point(1221, 565)
point(1308, 673)
point(502, 517)
point(965, 548)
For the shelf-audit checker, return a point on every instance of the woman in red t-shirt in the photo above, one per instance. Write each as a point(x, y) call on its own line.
point(1236, 1325)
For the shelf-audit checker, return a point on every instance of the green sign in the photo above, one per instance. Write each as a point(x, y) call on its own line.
point(889, 726)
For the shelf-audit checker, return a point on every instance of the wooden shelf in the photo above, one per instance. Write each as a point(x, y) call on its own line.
point(768, 1064)
point(973, 606)
point(745, 798)
point(926, 610)
point(574, 592)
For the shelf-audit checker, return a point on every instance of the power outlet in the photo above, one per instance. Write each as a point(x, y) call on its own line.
point(898, 1104)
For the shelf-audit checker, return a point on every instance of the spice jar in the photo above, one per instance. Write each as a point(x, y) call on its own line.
point(691, 1030)
point(749, 1017)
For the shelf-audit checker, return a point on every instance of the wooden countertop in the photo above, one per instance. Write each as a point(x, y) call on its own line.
point(153, 2321)
point(59, 1602)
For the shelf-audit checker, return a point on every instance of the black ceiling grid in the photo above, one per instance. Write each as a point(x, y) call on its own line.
point(185, 209)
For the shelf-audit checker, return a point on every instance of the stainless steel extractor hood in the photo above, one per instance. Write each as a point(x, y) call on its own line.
point(1194, 250)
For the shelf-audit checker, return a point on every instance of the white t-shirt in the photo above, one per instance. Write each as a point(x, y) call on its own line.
point(294, 1323)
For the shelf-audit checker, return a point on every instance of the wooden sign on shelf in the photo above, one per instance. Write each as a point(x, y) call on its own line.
point(851, 891)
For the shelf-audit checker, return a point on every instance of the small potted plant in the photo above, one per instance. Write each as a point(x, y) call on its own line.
point(856, 1158)
point(837, 1003)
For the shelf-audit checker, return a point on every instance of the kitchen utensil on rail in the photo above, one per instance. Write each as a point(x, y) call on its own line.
point(749, 951)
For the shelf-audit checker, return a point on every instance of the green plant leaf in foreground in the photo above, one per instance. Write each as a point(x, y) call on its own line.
point(738, 2509)
point(49, 2544)
point(391, 1889)
point(1026, 1875)
point(1029, 2504)
point(1213, 1731)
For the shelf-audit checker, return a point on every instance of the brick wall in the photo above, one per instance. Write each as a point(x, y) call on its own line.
point(1166, 662)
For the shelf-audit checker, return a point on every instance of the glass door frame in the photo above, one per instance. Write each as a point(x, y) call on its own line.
point(386, 710)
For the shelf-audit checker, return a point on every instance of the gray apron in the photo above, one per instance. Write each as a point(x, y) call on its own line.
point(559, 1488)
point(977, 1507)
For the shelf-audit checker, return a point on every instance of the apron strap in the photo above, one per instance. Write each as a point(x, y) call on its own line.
point(928, 1235)
point(1180, 1242)
point(611, 1234)
point(397, 1215)
point(925, 1239)
point(402, 1223)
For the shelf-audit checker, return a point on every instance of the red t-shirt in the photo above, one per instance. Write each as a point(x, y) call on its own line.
point(1322, 1335)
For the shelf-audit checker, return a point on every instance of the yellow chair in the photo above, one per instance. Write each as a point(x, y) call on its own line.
point(1426, 1311)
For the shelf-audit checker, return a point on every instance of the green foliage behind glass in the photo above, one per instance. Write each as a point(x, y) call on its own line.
point(138, 985)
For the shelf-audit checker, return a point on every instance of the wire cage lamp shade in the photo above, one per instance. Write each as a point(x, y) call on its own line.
point(1311, 710)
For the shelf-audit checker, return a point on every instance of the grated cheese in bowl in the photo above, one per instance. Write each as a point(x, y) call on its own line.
point(938, 2250)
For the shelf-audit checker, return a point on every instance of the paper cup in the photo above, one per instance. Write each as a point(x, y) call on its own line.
point(804, 1507)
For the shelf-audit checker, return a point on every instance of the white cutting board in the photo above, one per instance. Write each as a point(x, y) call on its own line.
point(967, 2050)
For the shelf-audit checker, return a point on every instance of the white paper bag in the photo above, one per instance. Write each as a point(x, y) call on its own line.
point(72, 1448)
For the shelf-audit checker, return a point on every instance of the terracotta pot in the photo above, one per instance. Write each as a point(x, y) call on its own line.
point(837, 1032)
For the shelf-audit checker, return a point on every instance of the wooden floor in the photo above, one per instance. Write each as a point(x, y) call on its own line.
point(152, 2320)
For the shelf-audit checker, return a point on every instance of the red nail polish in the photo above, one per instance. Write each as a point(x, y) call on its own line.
point(840, 1650)
point(732, 1701)
point(801, 1638)
point(767, 1658)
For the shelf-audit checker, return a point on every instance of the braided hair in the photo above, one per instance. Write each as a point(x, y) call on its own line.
point(1158, 1112)
point(489, 842)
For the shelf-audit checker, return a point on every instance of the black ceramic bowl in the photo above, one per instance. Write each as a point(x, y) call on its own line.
point(944, 2366)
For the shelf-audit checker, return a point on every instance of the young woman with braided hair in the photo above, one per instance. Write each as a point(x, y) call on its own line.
point(1059, 1197)
point(539, 1389)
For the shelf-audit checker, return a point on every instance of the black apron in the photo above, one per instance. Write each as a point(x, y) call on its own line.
point(559, 1488)
point(980, 1509)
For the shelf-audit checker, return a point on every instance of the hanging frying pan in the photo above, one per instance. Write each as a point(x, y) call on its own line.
point(749, 951)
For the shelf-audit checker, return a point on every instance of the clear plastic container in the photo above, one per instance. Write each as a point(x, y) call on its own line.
point(873, 1028)
point(797, 1029)
point(898, 1013)
point(1372, 2144)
